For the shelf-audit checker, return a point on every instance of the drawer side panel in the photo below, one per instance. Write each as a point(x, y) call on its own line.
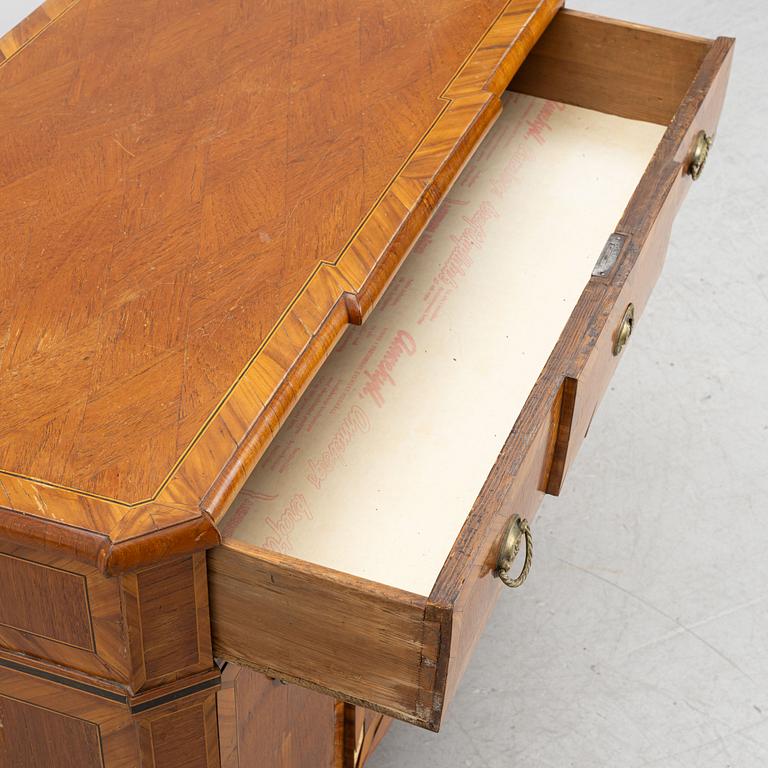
point(322, 630)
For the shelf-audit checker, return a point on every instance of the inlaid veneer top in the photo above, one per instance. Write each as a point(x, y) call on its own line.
point(196, 198)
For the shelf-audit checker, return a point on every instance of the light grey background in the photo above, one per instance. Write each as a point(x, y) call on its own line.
point(641, 637)
point(13, 11)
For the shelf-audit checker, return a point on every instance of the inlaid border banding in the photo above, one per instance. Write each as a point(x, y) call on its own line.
point(208, 474)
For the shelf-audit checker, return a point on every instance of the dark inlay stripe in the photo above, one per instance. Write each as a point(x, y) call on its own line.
point(61, 680)
point(213, 682)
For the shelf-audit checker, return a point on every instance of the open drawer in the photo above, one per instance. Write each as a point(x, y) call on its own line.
point(359, 559)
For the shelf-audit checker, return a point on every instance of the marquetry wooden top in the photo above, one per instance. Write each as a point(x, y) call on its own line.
point(196, 198)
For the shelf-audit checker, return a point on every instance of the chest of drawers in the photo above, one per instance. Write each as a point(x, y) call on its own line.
point(211, 482)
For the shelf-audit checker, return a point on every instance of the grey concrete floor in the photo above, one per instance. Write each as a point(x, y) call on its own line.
point(641, 637)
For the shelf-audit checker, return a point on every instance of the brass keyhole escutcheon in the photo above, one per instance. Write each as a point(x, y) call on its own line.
point(517, 531)
point(625, 329)
point(700, 153)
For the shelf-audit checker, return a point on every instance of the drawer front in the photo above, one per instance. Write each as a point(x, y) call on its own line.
point(556, 417)
point(144, 629)
point(49, 721)
point(632, 261)
point(57, 609)
point(581, 392)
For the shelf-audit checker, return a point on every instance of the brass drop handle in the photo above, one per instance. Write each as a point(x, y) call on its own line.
point(517, 530)
point(700, 153)
point(625, 329)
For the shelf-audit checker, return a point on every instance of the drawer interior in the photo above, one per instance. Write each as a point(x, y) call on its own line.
point(615, 67)
point(355, 558)
point(376, 468)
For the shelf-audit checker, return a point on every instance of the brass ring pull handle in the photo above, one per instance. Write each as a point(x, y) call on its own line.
point(700, 153)
point(517, 529)
point(625, 329)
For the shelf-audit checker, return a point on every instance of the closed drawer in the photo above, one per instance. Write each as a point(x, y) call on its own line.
point(263, 722)
point(359, 559)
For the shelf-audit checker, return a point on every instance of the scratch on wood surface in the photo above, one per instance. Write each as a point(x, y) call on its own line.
point(127, 151)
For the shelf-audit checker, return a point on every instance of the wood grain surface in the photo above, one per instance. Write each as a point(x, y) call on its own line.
point(181, 735)
point(197, 198)
point(32, 736)
point(263, 722)
point(47, 602)
point(47, 720)
point(145, 630)
point(345, 636)
point(62, 610)
point(366, 729)
point(166, 615)
point(622, 68)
